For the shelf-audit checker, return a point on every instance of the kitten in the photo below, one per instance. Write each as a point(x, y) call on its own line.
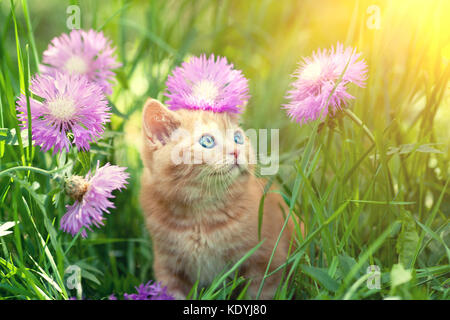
point(203, 216)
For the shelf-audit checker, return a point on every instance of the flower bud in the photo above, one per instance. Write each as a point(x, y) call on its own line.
point(76, 187)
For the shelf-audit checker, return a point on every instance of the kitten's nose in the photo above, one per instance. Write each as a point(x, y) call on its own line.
point(235, 153)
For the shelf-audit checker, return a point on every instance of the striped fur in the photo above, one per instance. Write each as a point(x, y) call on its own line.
point(201, 219)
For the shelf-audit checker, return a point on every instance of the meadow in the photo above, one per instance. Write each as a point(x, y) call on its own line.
point(372, 191)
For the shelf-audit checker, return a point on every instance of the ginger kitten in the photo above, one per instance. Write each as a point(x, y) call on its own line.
point(201, 208)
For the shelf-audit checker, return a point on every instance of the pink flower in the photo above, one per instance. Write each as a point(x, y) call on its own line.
point(207, 84)
point(91, 195)
point(83, 53)
point(68, 105)
point(312, 91)
point(149, 291)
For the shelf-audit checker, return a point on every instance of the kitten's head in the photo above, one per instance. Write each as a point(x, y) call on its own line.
point(193, 152)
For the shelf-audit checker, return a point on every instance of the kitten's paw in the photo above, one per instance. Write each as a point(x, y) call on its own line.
point(178, 295)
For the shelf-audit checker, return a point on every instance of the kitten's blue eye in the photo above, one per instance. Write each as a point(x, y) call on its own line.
point(238, 138)
point(207, 141)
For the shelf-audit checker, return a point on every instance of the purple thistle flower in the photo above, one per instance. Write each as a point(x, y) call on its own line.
point(82, 52)
point(70, 105)
point(207, 84)
point(316, 78)
point(91, 196)
point(149, 291)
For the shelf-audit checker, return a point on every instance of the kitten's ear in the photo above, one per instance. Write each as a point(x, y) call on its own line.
point(158, 122)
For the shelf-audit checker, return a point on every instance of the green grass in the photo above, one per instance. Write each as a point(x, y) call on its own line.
point(363, 202)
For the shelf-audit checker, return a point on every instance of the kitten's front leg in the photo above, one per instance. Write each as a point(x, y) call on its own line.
point(177, 285)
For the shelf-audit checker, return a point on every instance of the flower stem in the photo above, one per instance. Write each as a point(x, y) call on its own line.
point(37, 170)
point(34, 169)
point(359, 122)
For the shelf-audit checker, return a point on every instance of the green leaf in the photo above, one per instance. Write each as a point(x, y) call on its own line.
point(10, 268)
point(399, 275)
point(85, 159)
point(89, 276)
point(2, 149)
point(394, 203)
point(407, 240)
point(409, 148)
point(261, 207)
point(122, 78)
point(346, 263)
point(5, 226)
point(322, 277)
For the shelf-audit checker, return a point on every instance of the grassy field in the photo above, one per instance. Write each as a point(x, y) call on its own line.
point(384, 203)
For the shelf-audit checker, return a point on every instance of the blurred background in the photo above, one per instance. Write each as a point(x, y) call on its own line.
point(405, 43)
point(406, 102)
